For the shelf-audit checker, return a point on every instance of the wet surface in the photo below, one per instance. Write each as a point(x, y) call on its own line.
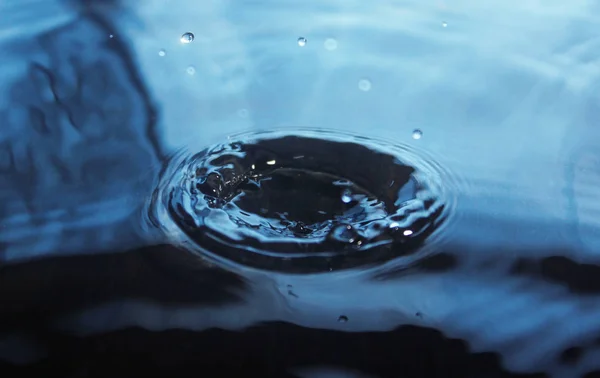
point(420, 228)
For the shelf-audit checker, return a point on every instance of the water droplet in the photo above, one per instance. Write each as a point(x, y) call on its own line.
point(364, 85)
point(417, 134)
point(407, 232)
point(343, 319)
point(162, 53)
point(111, 36)
point(330, 44)
point(302, 41)
point(187, 37)
point(444, 24)
point(346, 196)
point(345, 234)
point(190, 70)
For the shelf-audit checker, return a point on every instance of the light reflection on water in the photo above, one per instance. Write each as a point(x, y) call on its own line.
point(503, 92)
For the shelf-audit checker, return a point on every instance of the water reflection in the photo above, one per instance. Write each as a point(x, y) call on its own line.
point(502, 94)
point(79, 143)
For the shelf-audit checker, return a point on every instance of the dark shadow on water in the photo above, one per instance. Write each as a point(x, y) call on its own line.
point(36, 292)
point(579, 278)
point(268, 350)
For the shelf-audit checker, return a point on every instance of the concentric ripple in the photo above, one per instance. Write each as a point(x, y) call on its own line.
point(310, 202)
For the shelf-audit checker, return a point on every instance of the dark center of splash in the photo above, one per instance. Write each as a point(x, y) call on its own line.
point(302, 204)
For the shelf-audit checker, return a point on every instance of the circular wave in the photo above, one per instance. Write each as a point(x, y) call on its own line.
point(309, 202)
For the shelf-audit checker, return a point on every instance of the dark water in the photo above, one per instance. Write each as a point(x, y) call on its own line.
point(301, 203)
point(284, 251)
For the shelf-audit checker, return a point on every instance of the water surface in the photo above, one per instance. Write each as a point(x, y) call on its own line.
point(102, 104)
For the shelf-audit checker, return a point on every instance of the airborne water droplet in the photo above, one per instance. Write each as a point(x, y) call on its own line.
point(364, 85)
point(444, 24)
point(343, 319)
point(346, 196)
point(162, 53)
point(301, 41)
point(191, 70)
point(330, 44)
point(417, 134)
point(187, 37)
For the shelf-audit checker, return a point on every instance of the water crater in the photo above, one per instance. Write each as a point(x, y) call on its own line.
point(303, 203)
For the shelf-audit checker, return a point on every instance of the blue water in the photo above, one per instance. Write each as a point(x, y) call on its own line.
point(100, 99)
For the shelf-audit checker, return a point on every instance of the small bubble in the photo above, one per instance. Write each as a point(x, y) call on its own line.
point(407, 232)
point(444, 24)
point(111, 36)
point(417, 134)
point(243, 113)
point(346, 196)
point(330, 44)
point(162, 53)
point(302, 41)
point(364, 85)
point(190, 70)
point(343, 319)
point(187, 37)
